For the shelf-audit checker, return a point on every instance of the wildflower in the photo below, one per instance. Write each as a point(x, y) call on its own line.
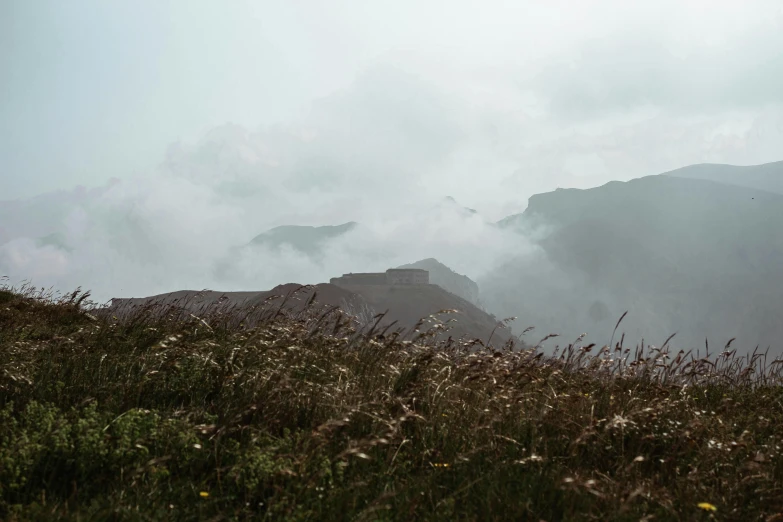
point(531, 458)
point(203, 494)
point(620, 421)
point(706, 506)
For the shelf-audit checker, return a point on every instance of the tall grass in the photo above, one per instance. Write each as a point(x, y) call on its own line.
point(163, 413)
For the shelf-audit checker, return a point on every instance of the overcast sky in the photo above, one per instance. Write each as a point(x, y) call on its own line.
point(488, 101)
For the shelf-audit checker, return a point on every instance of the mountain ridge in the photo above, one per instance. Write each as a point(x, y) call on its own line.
point(674, 251)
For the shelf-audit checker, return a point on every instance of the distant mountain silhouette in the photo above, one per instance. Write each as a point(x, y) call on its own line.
point(768, 176)
point(448, 279)
point(42, 216)
point(696, 257)
point(311, 240)
point(306, 239)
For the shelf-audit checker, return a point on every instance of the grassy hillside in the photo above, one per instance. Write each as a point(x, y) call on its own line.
point(303, 418)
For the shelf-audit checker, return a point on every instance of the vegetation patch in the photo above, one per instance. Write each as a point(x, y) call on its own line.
point(305, 416)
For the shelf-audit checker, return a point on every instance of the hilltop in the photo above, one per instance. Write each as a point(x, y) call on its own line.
point(443, 276)
point(402, 305)
point(408, 304)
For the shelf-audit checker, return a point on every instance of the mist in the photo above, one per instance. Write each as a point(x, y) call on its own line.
point(368, 155)
point(147, 152)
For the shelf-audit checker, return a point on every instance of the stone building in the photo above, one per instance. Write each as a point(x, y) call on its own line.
point(365, 278)
point(393, 276)
point(407, 276)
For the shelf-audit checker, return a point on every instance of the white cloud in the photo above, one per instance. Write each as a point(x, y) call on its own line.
point(406, 102)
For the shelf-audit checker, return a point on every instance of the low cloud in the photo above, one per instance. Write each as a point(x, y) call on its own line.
point(378, 154)
point(173, 234)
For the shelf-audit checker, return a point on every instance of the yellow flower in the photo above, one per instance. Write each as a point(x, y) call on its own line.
point(203, 494)
point(706, 506)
